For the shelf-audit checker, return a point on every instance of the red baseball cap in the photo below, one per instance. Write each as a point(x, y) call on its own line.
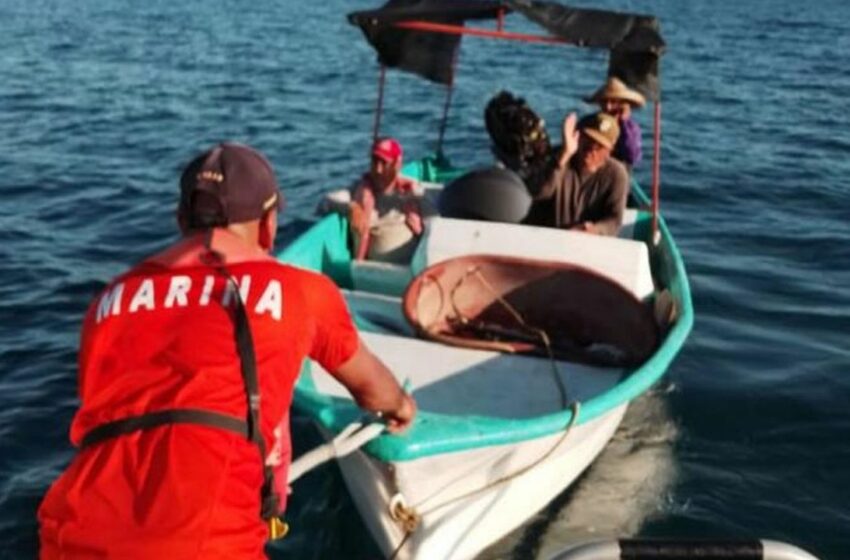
point(228, 184)
point(387, 149)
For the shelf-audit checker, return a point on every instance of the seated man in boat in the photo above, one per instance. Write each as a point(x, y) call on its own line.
point(618, 100)
point(585, 189)
point(385, 214)
point(384, 209)
point(175, 356)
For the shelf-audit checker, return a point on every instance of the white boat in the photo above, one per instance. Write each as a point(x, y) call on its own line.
point(499, 434)
point(493, 443)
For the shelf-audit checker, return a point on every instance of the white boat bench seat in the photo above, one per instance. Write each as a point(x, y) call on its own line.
point(623, 260)
point(462, 381)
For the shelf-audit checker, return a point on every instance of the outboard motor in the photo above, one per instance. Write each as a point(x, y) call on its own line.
point(492, 194)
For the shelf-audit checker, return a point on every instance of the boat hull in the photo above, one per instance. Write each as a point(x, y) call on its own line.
point(467, 500)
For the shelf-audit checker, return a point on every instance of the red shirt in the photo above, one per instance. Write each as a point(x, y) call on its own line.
point(160, 338)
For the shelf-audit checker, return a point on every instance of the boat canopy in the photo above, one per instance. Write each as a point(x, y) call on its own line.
point(422, 36)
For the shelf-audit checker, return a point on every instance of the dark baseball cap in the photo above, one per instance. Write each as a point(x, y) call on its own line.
point(228, 184)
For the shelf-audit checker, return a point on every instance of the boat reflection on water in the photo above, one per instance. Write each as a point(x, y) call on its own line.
point(626, 486)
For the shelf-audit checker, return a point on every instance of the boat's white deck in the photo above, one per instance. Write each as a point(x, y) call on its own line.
point(452, 380)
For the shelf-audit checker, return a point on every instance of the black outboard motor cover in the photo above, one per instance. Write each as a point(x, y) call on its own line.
point(492, 194)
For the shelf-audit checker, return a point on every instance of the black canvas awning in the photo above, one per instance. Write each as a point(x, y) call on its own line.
point(634, 40)
point(429, 10)
point(430, 55)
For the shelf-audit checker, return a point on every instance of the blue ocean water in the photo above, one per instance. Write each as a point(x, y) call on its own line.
point(101, 103)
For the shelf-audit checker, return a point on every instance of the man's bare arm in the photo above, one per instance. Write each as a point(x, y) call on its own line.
point(374, 388)
point(569, 139)
point(546, 184)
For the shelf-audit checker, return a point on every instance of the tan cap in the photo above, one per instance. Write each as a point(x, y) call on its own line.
point(601, 127)
point(614, 88)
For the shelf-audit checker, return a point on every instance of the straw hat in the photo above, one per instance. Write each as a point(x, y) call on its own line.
point(614, 88)
point(601, 127)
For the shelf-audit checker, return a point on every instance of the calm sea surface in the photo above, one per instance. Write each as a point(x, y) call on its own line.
point(101, 102)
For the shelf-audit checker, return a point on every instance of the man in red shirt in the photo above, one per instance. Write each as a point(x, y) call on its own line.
point(186, 371)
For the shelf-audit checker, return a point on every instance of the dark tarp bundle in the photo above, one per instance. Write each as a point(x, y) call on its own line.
point(634, 40)
point(430, 55)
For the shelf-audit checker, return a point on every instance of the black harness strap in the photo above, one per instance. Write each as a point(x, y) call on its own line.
point(270, 502)
point(249, 427)
point(161, 418)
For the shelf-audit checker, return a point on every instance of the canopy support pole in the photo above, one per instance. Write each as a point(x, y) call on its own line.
point(380, 107)
point(656, 172)
point(449, 90)
point(448, 103)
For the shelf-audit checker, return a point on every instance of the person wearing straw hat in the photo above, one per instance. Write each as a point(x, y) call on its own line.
point(617, 99)
point(585, 189)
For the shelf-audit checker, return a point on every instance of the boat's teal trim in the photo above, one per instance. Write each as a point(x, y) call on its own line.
point(431, 169)
point(323, 248)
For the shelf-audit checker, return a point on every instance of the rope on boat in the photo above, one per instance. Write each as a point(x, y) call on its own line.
point(540, 333)
point(429, 327)
point(574, 407)
point(408, 517)
point(404, 515)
